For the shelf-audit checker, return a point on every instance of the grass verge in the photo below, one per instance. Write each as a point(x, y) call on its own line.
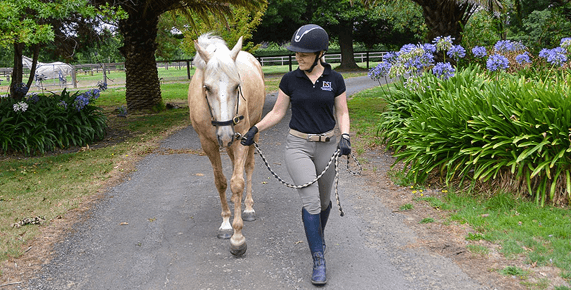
point(522, 231)
point(46, 188)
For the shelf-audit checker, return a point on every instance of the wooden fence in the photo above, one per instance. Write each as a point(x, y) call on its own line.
point(361, 57)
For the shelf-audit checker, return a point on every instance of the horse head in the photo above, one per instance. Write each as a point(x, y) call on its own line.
point(221, 85)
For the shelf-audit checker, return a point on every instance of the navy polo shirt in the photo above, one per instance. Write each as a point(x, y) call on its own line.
point(312, 104)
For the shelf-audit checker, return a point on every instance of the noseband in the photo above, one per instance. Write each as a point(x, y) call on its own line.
point(237, 118)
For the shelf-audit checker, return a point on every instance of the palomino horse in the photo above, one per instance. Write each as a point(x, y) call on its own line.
point(226, 95)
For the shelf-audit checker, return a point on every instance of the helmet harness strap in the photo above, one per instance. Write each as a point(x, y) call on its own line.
point(317, 58)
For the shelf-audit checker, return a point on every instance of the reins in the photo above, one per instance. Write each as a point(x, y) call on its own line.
point(334, 157)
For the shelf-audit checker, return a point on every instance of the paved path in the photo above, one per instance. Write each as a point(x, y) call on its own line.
point(173, 212)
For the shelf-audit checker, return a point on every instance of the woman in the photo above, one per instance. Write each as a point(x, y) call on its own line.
point(317, 97)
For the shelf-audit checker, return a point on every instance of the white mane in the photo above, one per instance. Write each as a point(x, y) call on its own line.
point(219, 53)
point(210, 43)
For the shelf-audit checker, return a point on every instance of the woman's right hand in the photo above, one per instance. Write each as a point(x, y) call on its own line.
point(248, 138)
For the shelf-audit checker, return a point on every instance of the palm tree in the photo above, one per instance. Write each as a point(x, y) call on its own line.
point(139, 33)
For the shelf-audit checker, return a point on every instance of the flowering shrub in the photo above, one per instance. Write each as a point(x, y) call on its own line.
point(41, 123)
point(506, 119)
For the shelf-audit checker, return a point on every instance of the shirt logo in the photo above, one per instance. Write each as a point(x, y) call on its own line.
point(327, 86)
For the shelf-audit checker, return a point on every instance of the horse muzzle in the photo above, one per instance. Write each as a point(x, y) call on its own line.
point(225, 136)
point(225, 131)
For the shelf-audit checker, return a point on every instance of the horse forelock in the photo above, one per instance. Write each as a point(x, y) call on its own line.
point(220, 60)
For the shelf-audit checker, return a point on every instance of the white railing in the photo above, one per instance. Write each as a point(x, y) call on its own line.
point(372, 56)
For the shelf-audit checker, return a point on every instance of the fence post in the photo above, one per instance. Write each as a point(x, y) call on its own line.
point(74, 77)
point(367, 59)
point(290, 65)
point(188, 68)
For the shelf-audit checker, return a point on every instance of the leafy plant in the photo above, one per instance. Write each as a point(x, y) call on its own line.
point(41, 123)
point(477, 249)
point(405, 207)
point(426, 220)
point(478, 128)
point(513, 271)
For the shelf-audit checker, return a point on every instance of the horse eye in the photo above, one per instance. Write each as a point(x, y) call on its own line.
point(207, 89)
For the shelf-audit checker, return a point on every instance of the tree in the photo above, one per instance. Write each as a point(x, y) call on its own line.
point(339, 18)
point(242, 24)
point(346, 23)
point(27, 23)
point(281, 20)
point(139, 33)
point(448, 17)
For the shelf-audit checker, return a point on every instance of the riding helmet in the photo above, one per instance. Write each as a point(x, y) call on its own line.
point(309, 38)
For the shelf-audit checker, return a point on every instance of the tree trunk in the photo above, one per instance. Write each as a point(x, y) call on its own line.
point(143, 90)
point(346, 46)
point(34, 65)
point(17, 72)
point(446, 17)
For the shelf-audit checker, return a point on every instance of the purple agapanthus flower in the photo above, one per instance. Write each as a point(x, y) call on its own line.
point(497, 62)
point(429, 47)
point(381, 70)
point(34, 98)
point(555, 56)
point(523, 58)
point(443, 43)
point(92, 94)
point(62, 104)
point(504, 46)
point(479, 51)
point(443, 70)
point(390, 57)
point(456, 52)
point(81, 101)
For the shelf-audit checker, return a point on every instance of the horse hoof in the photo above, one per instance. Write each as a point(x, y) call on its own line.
point(249, 216)
point(225, 234)
point(238, 251)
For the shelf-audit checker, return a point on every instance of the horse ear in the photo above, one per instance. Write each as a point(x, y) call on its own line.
point(236, 49)
point(203, 54)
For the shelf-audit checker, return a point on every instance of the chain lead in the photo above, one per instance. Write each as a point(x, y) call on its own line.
point(334, 157)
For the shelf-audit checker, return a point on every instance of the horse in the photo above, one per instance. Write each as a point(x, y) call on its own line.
point(225, 97)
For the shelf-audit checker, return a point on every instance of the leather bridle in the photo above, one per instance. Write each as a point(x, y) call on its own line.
point(235, 120)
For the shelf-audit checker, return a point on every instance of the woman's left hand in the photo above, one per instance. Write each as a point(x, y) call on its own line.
point(345, 144)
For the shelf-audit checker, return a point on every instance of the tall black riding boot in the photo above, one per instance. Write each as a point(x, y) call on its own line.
point(312, 225)
point(324, 216)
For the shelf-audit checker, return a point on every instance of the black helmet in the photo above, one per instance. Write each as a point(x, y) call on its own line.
point(309, 38)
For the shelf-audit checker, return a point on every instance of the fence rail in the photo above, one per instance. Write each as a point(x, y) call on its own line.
point(367, 56)
point(89, 69)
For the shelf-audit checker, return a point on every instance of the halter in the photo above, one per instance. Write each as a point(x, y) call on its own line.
point(237, 118)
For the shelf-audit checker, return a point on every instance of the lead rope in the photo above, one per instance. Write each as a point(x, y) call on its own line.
point(335, 157)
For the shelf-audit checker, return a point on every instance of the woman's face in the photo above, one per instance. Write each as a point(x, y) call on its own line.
point(305, 59)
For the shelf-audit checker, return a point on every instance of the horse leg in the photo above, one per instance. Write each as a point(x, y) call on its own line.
point(237, 241)
point(230, 152)
point(213, 152)
point(249, 212)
